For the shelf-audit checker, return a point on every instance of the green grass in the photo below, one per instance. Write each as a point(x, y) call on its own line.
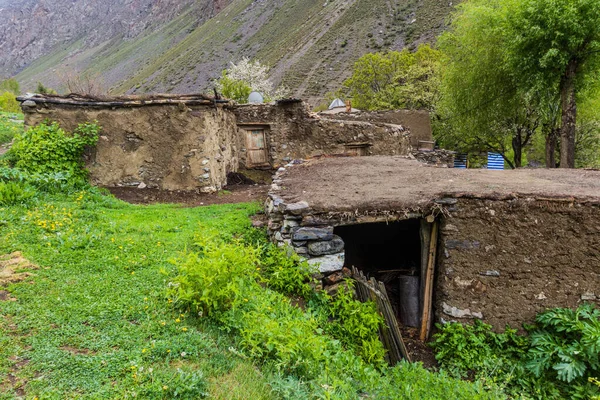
point(93, 321)
point(10, 125)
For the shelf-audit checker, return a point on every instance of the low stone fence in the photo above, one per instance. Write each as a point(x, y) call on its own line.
point(439, 157)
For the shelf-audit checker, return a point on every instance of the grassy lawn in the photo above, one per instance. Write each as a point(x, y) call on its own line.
point(93, 320)
point(10, 125)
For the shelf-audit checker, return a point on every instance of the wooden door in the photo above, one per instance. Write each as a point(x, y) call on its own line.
point(257, 154)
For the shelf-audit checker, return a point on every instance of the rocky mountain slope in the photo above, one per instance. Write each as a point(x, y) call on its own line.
point(136, 46)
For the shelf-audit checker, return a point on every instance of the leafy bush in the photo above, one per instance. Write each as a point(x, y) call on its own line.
point(9, 126)
point(566, 346)
point(222, 281)
point(556, 361)
point(13, 193)
point(285, 273)
point(47, 148)
point(10, 85)
point(9, 103)
point(356, 324)
point(234, 89)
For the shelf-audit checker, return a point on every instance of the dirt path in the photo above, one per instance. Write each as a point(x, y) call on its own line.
point(231, 194)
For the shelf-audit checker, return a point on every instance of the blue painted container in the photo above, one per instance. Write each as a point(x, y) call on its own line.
point(495, 161)
point(460, 161)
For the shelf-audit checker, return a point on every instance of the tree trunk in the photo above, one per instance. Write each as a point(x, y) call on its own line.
point(551, 138)
point(517, 145)
point(569, 116)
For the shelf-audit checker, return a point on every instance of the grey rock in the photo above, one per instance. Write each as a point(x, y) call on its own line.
point(587, 296)
point(301, 250)
point(462, 244)
point(142, 185)
point(328, 263)
point(491, 272)
point(28, 103)
point(296, 208)
point(458, 313)
point(446, 201)
point(313, 234)
point(335, 245)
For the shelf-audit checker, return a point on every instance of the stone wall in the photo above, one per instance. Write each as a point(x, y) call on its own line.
point(502, 261)
point(168, 146)
point(417, 121)
point(293, 132)
point(439, 157)
point(505, 261)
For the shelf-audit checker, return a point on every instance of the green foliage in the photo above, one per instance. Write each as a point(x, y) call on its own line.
point(557, 360)
point(9, 103)
point(549, 34)
point(224, 280)
point(286, 273)
point(10, 85)
point(41, 89)
point(10, 125)
point(47, 148)
point(566, 345)
point(393, 80)
point(356, 324)
point(13, 193)
point(504, 70)
point(464, 349)
point(93, 319)
point(237, 90)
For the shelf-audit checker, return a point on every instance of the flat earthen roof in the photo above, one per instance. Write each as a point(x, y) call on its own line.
point(396, 183)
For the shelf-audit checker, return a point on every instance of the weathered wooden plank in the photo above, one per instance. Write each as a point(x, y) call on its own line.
point(428, 292)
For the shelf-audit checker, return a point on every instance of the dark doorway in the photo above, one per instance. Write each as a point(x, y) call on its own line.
point(390, 253)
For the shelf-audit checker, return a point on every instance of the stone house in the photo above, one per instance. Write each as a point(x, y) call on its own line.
point(499, 246)
point(191, 142)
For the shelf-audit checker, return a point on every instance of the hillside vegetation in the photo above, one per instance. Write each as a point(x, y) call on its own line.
point(310, 45)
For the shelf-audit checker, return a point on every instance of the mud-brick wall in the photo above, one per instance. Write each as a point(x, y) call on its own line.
point(173, 147)
point(505, 261)
point(295, 133)
point(417, 121)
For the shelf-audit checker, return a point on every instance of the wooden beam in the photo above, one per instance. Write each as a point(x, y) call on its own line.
point(428, 292)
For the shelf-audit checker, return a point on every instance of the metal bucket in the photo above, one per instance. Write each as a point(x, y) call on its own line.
point(409, 300)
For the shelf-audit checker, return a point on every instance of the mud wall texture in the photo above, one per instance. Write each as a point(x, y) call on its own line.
point(505, 261)
point(292, 132)
point(417, 121)
point(173, 147)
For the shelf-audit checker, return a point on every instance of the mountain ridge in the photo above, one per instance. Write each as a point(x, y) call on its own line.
point(182, 46)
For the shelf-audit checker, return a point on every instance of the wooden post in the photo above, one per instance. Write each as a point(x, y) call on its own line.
point(428, 291)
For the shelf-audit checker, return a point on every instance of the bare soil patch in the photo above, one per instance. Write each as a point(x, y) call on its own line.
point(231, 194)
point(14, 268)
point(383, 182)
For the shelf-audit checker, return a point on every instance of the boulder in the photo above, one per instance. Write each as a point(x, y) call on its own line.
point(313, 234)
point(321, 248)
point(329, 263)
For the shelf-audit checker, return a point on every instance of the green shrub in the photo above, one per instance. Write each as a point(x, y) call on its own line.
point(234, 89)
point(565, 347)
point(223, 281)
point(557, 360)
point(9, 126)
point(47, 148)
point(13, 193)
point(10, 85)
point(9, 103)
point(285, 273)
point(356, 324)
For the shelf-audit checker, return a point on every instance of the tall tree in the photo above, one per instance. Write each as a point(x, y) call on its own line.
point(396, 79)
point(482, 106)
point(556, 43)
